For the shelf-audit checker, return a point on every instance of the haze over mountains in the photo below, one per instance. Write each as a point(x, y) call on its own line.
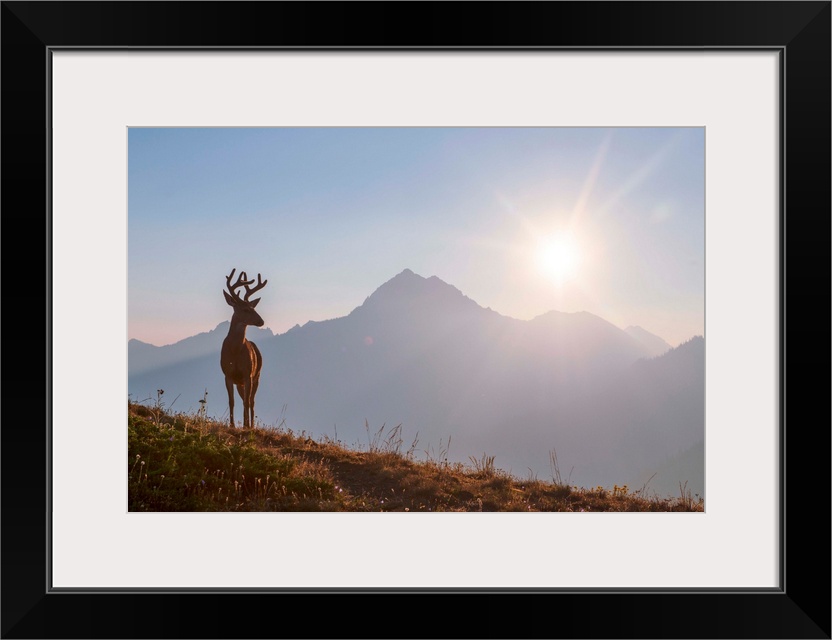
point(617, 405)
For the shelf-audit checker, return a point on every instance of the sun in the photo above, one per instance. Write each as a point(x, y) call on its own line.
point(558, 257)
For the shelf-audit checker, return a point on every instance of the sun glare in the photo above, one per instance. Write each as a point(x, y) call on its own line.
point(558, 257)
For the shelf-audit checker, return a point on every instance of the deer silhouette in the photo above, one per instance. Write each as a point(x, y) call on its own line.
point(240, 359)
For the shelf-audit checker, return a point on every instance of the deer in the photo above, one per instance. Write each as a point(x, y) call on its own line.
point(240, 359)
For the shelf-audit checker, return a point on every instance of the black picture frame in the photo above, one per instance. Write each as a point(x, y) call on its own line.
point(799, 31)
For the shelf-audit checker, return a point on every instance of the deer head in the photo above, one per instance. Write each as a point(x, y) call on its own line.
point(243, 307)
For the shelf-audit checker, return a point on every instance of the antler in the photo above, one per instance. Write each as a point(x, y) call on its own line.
point(241, 282)
point(260, 285)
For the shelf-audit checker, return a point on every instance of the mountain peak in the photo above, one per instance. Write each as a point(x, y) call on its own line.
point(404, 278)
point(409, 290)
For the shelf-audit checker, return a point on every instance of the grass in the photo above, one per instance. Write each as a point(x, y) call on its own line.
point(178, 462)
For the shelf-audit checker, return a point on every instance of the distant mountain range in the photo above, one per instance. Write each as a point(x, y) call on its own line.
point(142, 357)
point(615, 404)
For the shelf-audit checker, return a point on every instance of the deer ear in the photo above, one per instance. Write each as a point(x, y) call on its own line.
point(253, 303)
point(228, 298)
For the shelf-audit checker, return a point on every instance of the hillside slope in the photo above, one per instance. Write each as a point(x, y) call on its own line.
point(188, 463)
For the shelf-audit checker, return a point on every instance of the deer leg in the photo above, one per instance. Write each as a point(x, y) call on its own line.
point(241, 389)
point(254, 384)
point(247, 402)
point(229, 386)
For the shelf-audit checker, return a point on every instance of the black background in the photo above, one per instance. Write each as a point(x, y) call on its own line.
point(800, 609)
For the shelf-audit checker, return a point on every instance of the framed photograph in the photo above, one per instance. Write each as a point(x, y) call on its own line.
point(693, 140)
point(536, 293)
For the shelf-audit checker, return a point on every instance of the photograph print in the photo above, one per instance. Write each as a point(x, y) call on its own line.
point(416, 319)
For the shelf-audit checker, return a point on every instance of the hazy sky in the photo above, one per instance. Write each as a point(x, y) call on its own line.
point(522, 220)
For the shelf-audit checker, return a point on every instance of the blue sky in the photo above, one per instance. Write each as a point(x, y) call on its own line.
point(329, 214)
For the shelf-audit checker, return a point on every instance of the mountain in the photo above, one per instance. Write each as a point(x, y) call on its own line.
point(653, 343)
point(420, 353)
point(648, 417)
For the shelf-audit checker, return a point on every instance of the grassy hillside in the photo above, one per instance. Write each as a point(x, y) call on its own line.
point(189, 463)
